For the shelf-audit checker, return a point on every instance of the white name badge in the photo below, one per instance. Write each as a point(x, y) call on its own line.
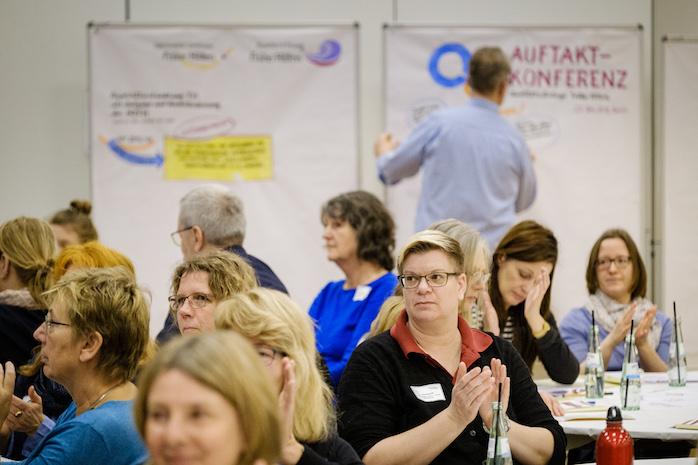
point(429, 392)
point(361, 293)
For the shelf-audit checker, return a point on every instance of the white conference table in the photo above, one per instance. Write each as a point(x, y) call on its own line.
point(661, 408)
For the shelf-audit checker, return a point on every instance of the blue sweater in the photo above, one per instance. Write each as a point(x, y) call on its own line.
point(343, 316)
point(104, 436)
point(576, 326)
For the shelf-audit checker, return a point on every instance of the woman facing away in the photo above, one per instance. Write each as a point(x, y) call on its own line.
point(73, 225)
point(27, 251)
point(523, 266)
point(282, 333)
point(360, 237)
point(617, 283)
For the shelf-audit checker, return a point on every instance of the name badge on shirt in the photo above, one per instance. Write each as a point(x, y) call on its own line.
point(361, 293)
point(429, 392)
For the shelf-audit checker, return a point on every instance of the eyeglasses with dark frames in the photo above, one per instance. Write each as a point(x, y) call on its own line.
point(434, 279)
point(605, 263)
point(267, 354)
point(49, 322)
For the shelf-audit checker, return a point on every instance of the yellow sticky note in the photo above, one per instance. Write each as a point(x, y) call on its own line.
point(223, 158)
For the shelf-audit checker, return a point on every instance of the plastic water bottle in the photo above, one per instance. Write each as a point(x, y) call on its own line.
point(614, 446)
point(677, 356)
point(498, 451)
point(630, 379)
point(593, 368)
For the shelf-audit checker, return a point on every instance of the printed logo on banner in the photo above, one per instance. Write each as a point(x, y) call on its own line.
point(449, 50)
point(136, 152)
point(194, 55)
point(327, 53)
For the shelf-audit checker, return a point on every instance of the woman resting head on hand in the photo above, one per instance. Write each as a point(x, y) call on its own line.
point(523, 266)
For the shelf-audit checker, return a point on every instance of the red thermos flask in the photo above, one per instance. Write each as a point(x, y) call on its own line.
point(614, 446)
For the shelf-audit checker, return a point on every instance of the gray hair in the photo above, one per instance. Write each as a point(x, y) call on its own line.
point(217, 211)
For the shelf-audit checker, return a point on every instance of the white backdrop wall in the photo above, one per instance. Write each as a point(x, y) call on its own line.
point(44, 163)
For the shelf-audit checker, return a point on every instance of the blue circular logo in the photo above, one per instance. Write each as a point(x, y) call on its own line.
point(434, 65)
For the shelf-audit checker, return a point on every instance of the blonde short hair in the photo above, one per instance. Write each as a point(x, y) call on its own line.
point(110, 302)
point(425, 241)
point(30, 246)
point(273, 318)
point(226, 363)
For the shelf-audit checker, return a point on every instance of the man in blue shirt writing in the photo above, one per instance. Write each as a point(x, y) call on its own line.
point(477, 167)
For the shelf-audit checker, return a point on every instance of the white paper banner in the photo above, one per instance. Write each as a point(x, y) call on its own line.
point(575, 96)
point(680, 186)
point(270, 111)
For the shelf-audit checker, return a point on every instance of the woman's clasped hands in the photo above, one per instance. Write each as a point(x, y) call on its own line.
point(475, 390)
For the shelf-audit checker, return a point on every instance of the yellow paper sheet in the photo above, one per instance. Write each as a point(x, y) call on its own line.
point(223, 158)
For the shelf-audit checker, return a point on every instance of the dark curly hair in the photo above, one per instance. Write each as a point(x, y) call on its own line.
point(372, 222)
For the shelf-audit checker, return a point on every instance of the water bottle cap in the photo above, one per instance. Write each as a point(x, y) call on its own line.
point(614, 414)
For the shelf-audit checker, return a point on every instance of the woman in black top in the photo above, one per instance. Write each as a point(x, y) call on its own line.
point(523, 266)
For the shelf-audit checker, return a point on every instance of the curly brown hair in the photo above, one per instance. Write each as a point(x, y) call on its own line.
point(371, 221)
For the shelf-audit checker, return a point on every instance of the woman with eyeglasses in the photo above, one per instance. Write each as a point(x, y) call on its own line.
point(523, 266)
point(205, 400)
point(477, 264)
point(201, 282)
point(617, 282)
point(27, 251)
point(47, 399)
point(283, 335)
point(93, 338)
point(422, 392)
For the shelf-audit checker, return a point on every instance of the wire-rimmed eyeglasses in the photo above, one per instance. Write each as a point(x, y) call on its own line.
point(196, 300)
point(177, 236)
